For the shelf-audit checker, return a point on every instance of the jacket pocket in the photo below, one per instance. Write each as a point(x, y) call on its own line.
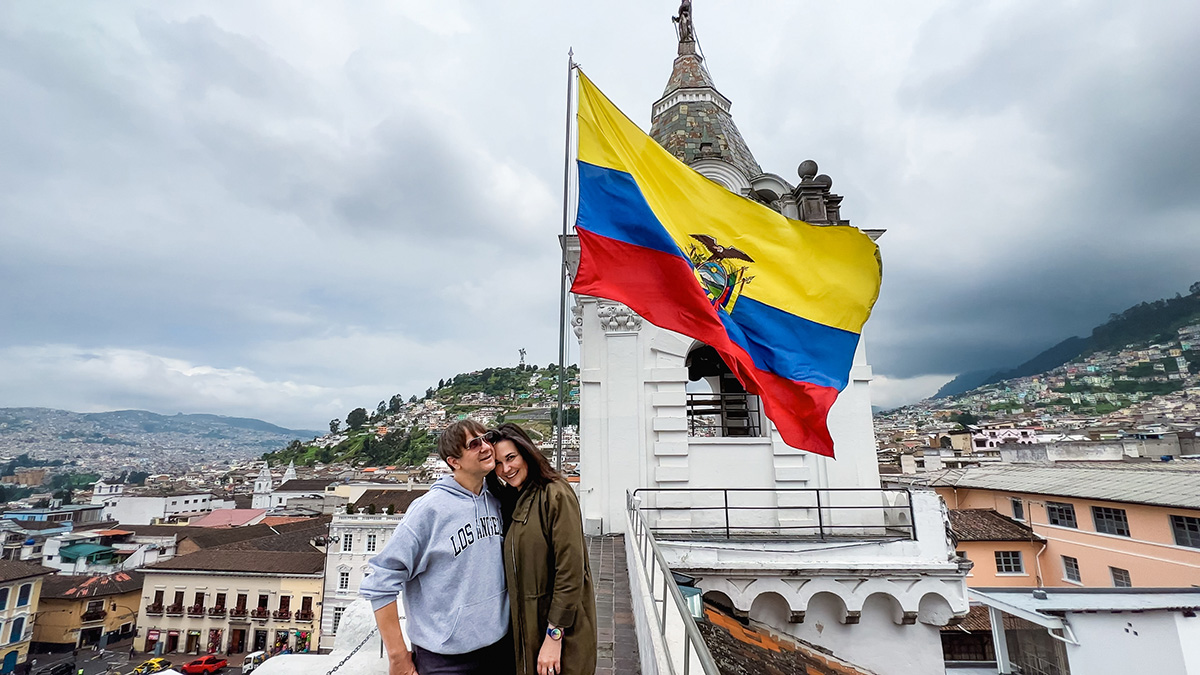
point(479, 617)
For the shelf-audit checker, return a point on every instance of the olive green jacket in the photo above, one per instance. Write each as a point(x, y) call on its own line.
point(549, 582)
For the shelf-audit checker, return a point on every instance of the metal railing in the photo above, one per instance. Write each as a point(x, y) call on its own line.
point(858, 513)
point(671, 611)
point(723, 415)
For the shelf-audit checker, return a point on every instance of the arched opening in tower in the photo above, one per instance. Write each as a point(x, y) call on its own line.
point(717, 403)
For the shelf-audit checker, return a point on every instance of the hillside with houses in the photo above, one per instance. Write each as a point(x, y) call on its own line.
point(403, 432)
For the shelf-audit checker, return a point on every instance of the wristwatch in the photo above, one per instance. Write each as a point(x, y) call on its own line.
point(554, 633)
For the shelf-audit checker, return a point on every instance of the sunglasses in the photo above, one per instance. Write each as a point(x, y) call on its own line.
point(491, 437)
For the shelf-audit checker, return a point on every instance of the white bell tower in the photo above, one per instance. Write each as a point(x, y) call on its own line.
point(262, 489)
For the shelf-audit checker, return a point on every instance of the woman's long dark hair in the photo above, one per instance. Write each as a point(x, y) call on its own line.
point(540, 471)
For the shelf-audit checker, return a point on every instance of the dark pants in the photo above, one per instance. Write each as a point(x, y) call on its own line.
point(496, 659)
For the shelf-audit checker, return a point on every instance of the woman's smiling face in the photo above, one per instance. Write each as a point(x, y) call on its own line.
point(510, 465)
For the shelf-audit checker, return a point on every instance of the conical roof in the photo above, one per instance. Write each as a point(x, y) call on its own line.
point(692, 119)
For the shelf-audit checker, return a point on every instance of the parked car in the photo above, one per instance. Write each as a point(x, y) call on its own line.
point(253, 660)
point(205, 665)
point(66, 667)
point(154, 665)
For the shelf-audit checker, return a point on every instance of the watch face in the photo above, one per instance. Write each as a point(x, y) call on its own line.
point(554, 633)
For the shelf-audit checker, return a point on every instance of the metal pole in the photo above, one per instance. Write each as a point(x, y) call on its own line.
point(562, 285)
point(820, 516)
point(726, 493)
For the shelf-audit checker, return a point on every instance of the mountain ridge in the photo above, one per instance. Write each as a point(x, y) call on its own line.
point(1143, 322)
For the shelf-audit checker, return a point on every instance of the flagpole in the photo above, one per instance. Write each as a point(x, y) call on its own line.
point(562, 286)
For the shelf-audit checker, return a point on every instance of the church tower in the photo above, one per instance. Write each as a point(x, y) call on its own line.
point(290, 474)
point(811, 546)
point(647, 393)
point(262, 489)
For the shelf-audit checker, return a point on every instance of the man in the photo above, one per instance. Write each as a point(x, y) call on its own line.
point(446, 556)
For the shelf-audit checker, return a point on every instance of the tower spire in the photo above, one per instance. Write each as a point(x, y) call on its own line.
point(692, 119)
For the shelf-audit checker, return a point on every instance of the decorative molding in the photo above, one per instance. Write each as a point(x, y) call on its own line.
point(577, 318)
point(691, 95)
point(617, 318)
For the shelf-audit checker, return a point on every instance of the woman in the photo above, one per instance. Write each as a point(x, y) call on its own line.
point(550, 590)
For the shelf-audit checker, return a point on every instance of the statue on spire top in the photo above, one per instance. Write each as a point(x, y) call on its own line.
point(684, 29)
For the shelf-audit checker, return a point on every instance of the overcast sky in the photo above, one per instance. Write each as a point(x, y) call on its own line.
point(284, 211)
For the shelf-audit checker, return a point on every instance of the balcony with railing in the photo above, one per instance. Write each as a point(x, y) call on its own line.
point(196, 610)
point(282, 615)
point(820, 514)
point(218, 610)
point(304, 616)
point(260, 613)
point(93, 615)
point(154, 609)
point(723, 415)
point(174, 610)
point(238, 612)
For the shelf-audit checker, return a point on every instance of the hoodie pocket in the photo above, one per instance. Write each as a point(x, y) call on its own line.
point(480, 617)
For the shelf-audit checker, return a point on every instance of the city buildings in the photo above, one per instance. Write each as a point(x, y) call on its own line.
point(232, 601)
point(82, 610)
point(1109, 525)
point(20, 590)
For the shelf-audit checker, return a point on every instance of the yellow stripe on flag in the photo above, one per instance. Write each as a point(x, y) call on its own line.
point(829, 275)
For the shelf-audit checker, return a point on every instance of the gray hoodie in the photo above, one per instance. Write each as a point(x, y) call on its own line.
point(446, 555)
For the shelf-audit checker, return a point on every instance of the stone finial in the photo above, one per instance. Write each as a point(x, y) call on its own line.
point(807, 169)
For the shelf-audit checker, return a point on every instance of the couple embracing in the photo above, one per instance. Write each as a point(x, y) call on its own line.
point(505, 515)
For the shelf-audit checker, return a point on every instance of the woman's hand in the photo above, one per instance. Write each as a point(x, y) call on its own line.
point(550, 657)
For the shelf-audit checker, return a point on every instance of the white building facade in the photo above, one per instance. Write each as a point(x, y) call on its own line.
point(353, 540)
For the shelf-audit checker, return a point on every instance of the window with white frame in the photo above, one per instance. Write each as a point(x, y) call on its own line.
point(23, 595)
point(1009, 562)
point(347, 543)
point(1110, 520)
point(1063, 515)
point(343, 581)
point(1018, 508)
point(371, 538)
point(1071, 569)
point(1185, 528)
point(1121, 578)
point(337, 617)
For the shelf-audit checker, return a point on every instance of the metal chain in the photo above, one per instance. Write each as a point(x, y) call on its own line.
point(353, 651)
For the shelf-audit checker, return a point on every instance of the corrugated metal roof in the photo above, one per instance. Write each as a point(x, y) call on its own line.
point(1092, 599)
point(1154, 484)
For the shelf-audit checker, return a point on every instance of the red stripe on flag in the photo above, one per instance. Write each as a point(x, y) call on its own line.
point(662, 288)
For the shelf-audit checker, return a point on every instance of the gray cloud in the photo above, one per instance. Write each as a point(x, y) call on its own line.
point(318, 209)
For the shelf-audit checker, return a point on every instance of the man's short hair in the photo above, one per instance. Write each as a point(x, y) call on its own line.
point(454, 438)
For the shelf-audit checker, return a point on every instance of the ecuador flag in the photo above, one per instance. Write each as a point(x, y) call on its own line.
point(782, 301)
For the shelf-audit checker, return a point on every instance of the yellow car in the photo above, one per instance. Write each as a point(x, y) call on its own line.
point(154, 665)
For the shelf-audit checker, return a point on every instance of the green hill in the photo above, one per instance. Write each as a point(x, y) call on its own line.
point(526, 395)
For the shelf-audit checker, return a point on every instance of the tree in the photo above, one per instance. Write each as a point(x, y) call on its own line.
point(334, 425)
point(356, 418)
point(1194, 289)
point(391, 509)
point(381, 409)
point(449, 381)
point(429, 393)
point(412, 399)
point(441, 384)
point(394, 404)
point(370, 509)
point(138, 477)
